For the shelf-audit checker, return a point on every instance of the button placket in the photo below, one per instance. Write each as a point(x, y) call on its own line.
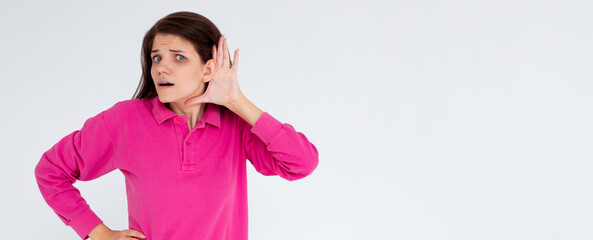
point(188, 161)
point(190, 148)
point(185, 144)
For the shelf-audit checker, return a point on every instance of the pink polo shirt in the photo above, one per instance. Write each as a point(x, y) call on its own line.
point(180, 184)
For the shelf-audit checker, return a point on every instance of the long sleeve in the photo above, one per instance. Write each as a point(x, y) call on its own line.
point(276, 148)
point(84, 154)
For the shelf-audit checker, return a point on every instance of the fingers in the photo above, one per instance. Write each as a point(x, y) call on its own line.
point(226, 58)
point(134, 233)
point(219, 51)
point(236, 60)
point(195, 100)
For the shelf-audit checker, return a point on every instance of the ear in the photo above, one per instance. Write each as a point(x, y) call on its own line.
point(210, 69)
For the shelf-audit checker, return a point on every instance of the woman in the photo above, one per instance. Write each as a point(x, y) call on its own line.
point(181, 142)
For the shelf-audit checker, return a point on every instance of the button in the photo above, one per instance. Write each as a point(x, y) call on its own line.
point(186, 143)
point(178, 120)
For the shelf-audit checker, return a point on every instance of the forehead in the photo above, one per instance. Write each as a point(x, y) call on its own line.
point(171, 40)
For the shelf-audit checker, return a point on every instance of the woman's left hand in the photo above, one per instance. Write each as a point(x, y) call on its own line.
point(223, 89)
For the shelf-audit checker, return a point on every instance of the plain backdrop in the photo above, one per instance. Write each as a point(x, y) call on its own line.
point(433, 119)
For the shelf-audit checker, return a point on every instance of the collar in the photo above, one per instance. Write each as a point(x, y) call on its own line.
point(162, 113)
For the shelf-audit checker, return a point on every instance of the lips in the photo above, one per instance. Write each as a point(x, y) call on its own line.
point(165, 83)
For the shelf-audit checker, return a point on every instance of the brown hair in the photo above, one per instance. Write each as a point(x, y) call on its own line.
point(197, 29)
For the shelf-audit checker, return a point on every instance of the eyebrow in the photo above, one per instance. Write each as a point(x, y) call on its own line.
point(171, 50)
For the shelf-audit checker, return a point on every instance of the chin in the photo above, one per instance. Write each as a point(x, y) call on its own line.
point(170, 99)
point(165, 99)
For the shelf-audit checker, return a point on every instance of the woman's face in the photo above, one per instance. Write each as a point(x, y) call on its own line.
point(175, 60)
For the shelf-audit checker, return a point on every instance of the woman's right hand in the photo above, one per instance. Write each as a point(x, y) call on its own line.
point(102, 232)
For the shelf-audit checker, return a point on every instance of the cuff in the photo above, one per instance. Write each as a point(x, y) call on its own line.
point(266, 127)
point(85, 222)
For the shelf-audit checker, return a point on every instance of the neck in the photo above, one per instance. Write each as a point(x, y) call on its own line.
point(193, 113)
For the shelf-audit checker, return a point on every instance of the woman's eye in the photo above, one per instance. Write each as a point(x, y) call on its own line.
point(180, 57)
point(155, 58)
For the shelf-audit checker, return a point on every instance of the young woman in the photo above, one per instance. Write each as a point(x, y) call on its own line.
point(181, 142)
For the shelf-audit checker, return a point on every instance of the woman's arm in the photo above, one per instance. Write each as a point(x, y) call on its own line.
point(273, 148)
point(276, 148)
point(245, 109)
point(84, 154)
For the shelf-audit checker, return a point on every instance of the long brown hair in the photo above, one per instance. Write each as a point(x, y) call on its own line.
point(197, 29)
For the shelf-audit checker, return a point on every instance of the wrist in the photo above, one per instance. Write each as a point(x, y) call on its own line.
point(235, 101)
point(245, 109)
point(98, 231)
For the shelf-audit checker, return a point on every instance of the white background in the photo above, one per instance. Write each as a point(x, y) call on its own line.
point(433, 119)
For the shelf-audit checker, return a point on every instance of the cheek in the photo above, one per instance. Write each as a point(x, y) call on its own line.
point(152, 74)
point(192, 75)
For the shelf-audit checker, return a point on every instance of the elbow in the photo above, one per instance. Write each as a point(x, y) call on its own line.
point(39, 170)
point(49, 174)
point(313, 162)
point(309, 164)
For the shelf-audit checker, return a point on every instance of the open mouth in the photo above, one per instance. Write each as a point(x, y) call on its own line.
point(166, 84)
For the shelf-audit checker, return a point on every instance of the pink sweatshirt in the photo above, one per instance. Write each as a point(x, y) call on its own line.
point(180, 184)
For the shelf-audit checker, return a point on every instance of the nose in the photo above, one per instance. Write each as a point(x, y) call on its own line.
point(162, 67)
